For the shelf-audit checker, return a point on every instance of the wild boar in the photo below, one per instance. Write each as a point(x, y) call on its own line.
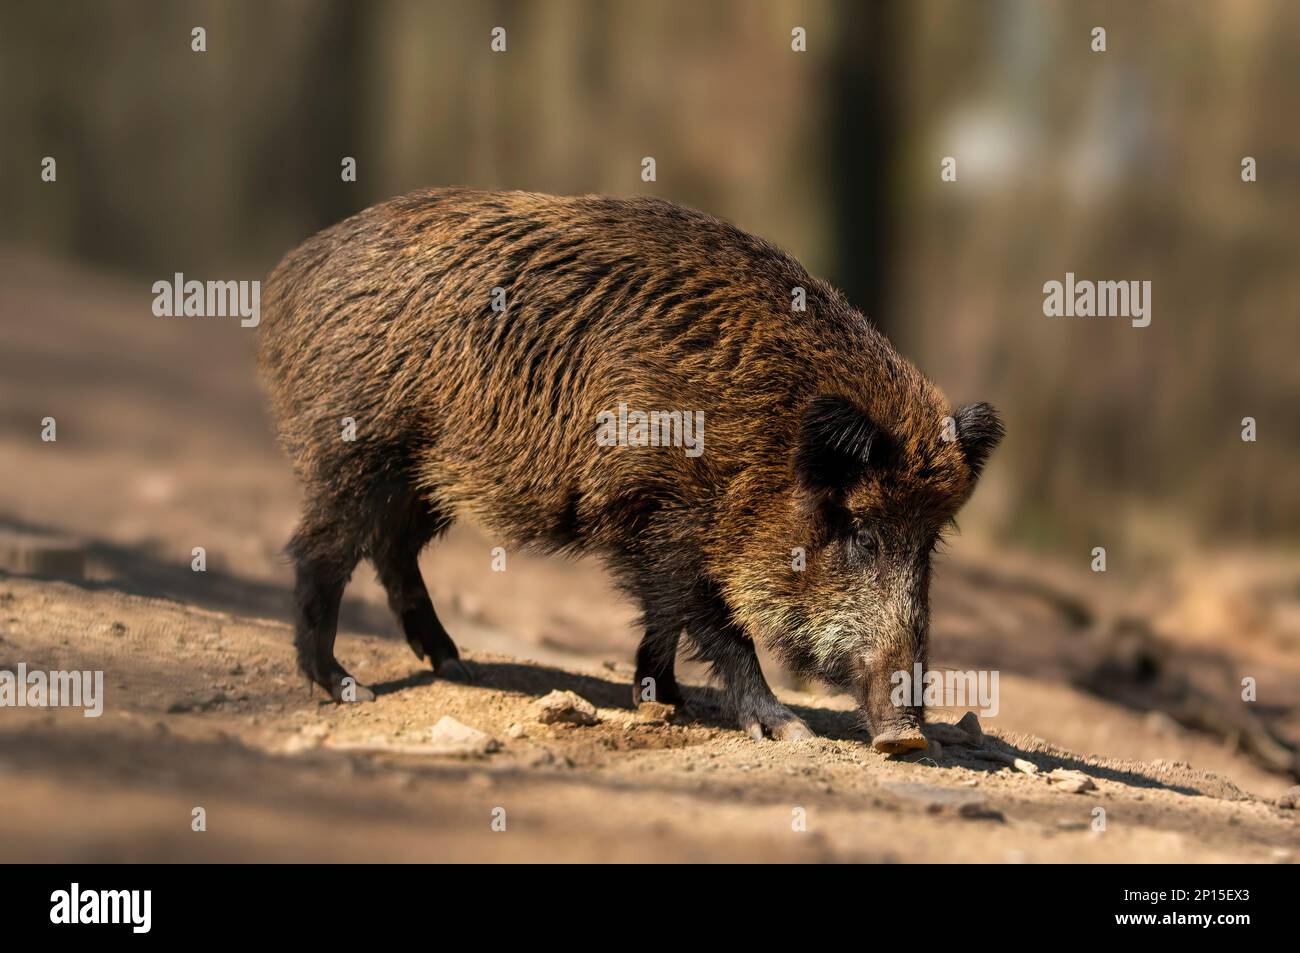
point(483, 343)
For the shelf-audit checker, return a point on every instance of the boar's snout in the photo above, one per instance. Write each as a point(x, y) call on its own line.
point(895, 728)
point(900, 733)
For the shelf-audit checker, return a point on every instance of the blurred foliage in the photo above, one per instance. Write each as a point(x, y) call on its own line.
point(1115, 165)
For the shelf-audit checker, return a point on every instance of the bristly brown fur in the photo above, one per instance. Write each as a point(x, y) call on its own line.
point(465, 412)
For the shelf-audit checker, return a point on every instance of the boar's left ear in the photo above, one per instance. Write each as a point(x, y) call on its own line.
point(978, 431)
point(837, 442)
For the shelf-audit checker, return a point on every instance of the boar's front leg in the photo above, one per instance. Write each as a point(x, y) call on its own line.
point(656, 657)
point(725, 645)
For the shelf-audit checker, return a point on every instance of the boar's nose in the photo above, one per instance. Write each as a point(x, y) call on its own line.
point(897, 733)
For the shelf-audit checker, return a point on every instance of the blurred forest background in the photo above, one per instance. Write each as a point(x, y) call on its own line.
point(1122, 165)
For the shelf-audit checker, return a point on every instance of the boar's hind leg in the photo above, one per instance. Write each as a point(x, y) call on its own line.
point(724, 645)
point(323, 563)
point(405, 530)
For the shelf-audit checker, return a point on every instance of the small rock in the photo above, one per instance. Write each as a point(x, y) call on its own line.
point(1072, 782)
point(970, 723)
point(515, 731)
point(450, 736)
point(1289, 800)
point(565, 708)
point(654, 713)
point(1028, 767)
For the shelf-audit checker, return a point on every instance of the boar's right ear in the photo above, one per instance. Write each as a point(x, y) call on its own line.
point(837, 441)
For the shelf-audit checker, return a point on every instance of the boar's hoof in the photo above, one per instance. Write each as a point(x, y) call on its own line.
point(793, 730)
point(898, 739)
point(344, 688)
point(783, 724)
point(455, 670)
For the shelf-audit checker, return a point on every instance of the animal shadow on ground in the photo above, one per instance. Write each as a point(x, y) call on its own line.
point(704, 703)
point(705, 707)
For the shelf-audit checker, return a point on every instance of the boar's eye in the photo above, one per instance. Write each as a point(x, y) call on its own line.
point(865, 542)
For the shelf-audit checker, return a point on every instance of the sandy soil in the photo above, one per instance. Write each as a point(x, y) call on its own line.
point(161, 447)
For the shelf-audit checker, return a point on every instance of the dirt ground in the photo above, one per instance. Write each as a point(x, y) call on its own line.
point(162, 447)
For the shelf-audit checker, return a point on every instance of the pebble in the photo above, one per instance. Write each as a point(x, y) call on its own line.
point(565, 708)
point(450, 736)
point(654, 713)
point(1072, 782)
